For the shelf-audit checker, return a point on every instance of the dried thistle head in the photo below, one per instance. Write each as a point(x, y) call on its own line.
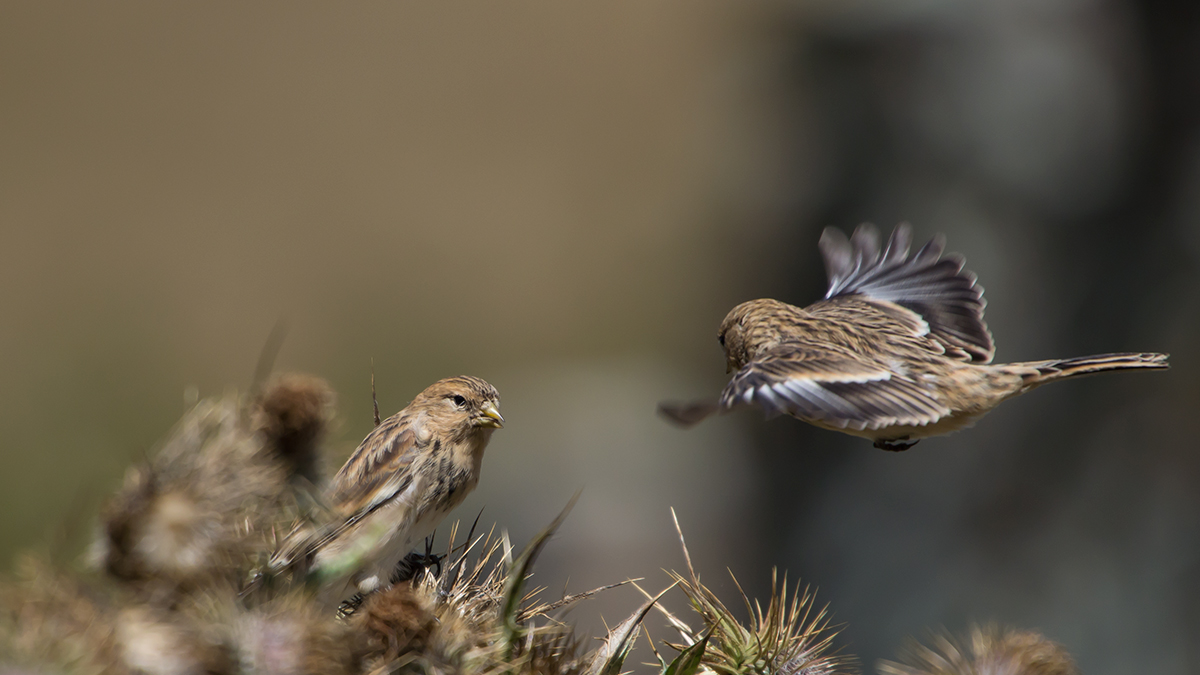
point(49, 619)
point(469, 614)
point(199, 507)
point(149, 531)
point(285, 634)
point(988, 650)
point(410, 628)
point(58, 621)
point(293, 412)
point(159, 642)
point(396, 620)
point(445, 622)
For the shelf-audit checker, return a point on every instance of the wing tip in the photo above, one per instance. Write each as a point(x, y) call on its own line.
point(934, 284)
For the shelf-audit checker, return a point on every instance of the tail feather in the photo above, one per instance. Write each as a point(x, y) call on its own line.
point(688, 414)
point(1045, 371)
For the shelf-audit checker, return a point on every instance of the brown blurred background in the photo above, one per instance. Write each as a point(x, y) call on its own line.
point(565, 199)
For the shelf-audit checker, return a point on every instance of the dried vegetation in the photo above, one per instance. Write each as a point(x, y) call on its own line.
point(178, 584)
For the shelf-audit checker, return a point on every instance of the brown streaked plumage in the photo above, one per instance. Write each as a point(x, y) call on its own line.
point(895, 352)
point(405, 476)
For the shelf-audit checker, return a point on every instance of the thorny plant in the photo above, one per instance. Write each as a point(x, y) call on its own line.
point(175, 588)
point(790, 637)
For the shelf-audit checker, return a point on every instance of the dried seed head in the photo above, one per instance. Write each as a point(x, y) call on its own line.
point(199, 507)
point(989, 650)
point(394, 621)
point(292, 635)
point(51, 622)
point(162, 643)
point(293, 413)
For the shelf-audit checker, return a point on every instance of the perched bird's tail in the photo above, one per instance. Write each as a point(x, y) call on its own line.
point(1041, 372)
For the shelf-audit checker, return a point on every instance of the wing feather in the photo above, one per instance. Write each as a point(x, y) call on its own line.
point(359, 488)
point(934, 286)
point(836, 389)
point(379, 469)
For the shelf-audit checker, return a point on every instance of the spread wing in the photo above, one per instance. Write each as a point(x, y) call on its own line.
point(937, 288)
point(840, 389)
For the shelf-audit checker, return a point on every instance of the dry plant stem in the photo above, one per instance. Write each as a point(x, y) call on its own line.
point(374, 398)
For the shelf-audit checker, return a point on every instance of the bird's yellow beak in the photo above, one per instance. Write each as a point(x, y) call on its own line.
point(491, 417)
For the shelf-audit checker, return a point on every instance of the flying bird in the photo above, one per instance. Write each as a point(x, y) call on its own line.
point(405, 476)
point(897, 350)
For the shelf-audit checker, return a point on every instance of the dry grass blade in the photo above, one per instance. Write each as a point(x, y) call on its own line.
point(789, 637)
point(687, 557)
point(685, 631)
point(268, 355)
point(690, 659)
point(520, 571)
point(475, 589)
point(567, 600)
point(609, 657)
point(491, 546)
point(374, 398)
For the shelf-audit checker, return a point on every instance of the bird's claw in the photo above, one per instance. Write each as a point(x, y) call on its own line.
point(895, 444)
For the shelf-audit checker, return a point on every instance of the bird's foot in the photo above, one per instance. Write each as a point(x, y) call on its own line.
point(348, 607)
point(415, 564)
point(895, 444)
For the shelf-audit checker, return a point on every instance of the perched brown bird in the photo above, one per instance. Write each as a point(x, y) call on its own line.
point(896, 352)
point(405, 476)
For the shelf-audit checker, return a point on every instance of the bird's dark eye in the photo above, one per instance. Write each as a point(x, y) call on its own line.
point(721, 339)
point(459, 400)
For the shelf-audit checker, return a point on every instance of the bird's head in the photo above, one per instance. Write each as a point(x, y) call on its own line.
point(464, 404)
point(732, 336)
point(743, 330)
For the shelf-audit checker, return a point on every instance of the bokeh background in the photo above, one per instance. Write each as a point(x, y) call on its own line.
point(565, 199)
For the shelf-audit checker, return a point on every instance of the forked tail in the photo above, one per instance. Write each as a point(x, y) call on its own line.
point(1046, 371)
